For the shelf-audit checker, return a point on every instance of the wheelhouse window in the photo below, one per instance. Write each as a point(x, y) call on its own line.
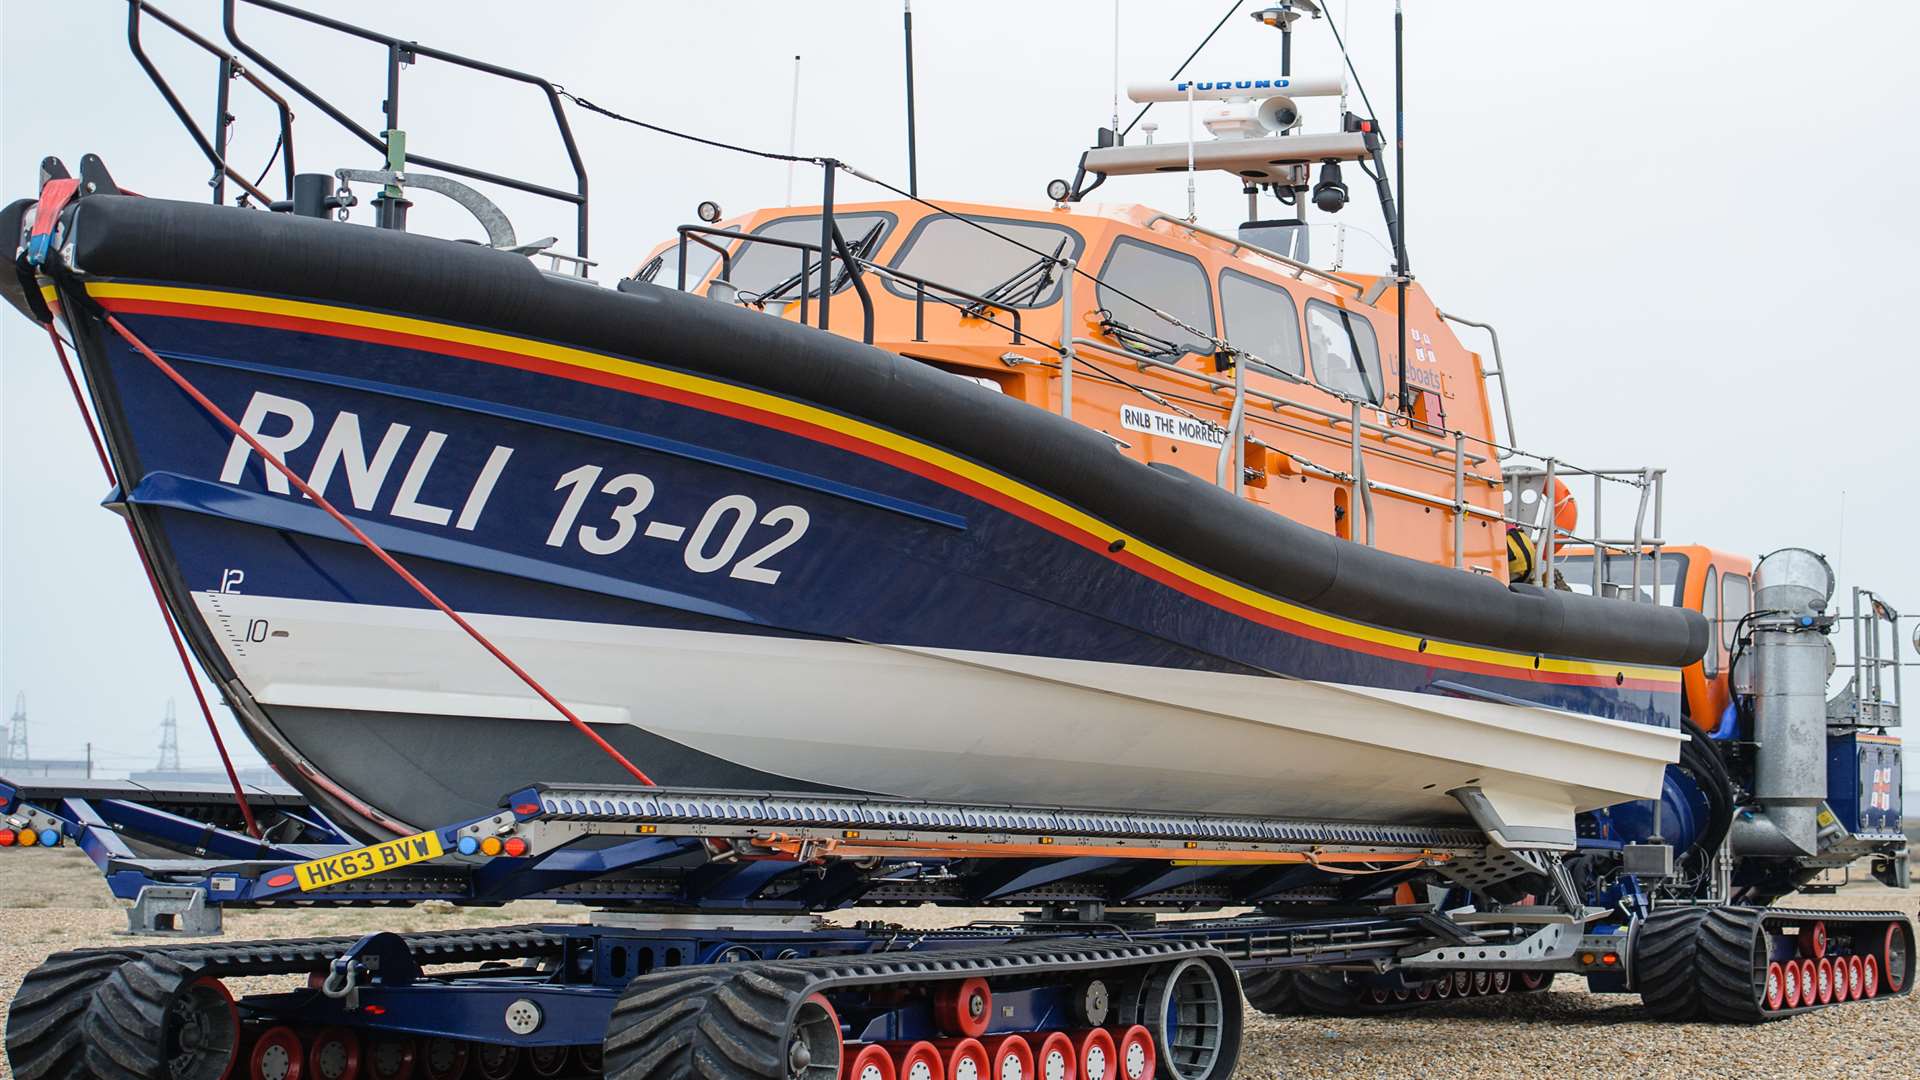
point(1346, 355)
point(664, 268)
point(1259, 317)
point(772, 272)
point(1662, 587)
point(1735, 602)
point(1013, 265)
point(1168, 280)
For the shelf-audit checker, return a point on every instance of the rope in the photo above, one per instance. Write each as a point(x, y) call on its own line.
point(701, 139)
point(1183, 64)
point(153, 583)
point(379, 552)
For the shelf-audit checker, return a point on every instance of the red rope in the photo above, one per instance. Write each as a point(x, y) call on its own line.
point(379, 552)
point(153, 582)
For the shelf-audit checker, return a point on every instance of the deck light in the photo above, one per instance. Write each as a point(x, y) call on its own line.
point(708, 211)
point(1058, 190)
point(1330, 194)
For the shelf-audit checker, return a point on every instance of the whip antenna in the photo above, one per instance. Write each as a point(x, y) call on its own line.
point(793, 128)
point(913, 164)
point(1400, 271)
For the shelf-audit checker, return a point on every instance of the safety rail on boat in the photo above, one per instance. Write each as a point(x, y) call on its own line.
point(214, 147)
point(392, 141)
point(833, 240)
point(1299, 268)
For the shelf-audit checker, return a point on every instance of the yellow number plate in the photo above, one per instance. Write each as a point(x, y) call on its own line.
point(366, 861)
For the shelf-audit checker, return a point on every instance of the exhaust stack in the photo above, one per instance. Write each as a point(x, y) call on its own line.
point(1789, 662)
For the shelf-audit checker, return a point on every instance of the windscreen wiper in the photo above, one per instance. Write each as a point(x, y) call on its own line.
point(1134, 339)
point(861, 249)
point(1026, 286)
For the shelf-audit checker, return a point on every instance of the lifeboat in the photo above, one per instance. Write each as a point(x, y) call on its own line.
point(1154, 519)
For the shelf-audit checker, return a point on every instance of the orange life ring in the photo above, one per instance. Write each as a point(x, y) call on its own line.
point(1566, 512)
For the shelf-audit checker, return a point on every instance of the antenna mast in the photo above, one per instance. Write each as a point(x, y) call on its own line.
point(913, 163)
point(1400, 270)
point(793, 127)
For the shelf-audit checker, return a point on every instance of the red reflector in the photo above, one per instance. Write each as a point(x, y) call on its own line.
point(515, 846)
point(278, 880)
point(373, 1010)
point(1610, 958)
point(6, 837)
point(526, 809)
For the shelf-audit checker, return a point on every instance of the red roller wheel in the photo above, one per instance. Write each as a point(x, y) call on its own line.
point(1894, 958)
point(1424, 991)
point(1840, 990)
point(1790, 984)
point(917, 1061)
point(1870, 975)
point(1775, 991)
point(1823, 981)
point(1813, 940)
point(277, 1055)
point(1009, 1058)
point(444, 1059)
point(205, 1031)
point(1053, 1057)
point(1502, 981)
point(492, 1061)
point(966, 1058)
point(1809, 982)
point(1096, 1054)
point(1483, 982)
point(1402, 994)
point(1462, 983)
point(1856, 978)
point(1379, 995)
point(333, 1054)
point(963, 1008)
point(1527, 982)
point(868, 1062)
point(390, 1057)
point(1443, 986)
point(1136, 1053)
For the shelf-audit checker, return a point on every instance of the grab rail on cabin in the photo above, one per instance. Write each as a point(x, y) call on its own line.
point(1299, 267)
point(1499, 372)
point(214, 147)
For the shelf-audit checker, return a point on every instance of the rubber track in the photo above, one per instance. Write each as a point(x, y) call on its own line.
point(43, 1023)
point(46, 1017)
point(729, 1021)
point(1664, 963)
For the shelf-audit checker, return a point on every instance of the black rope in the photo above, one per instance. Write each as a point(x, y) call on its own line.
point(611, 115)
point(1183, 64)
point(278, 141)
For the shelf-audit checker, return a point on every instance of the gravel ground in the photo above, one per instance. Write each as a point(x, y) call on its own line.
point(55, 900)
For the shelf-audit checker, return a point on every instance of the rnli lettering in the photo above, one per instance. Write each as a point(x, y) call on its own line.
point(1167, 425)
point(282, 425)
point(406, 472)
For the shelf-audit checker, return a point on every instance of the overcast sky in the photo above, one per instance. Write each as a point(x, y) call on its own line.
point(1689, 222)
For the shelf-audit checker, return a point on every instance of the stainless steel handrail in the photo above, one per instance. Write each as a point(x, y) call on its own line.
point(1239, 244)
